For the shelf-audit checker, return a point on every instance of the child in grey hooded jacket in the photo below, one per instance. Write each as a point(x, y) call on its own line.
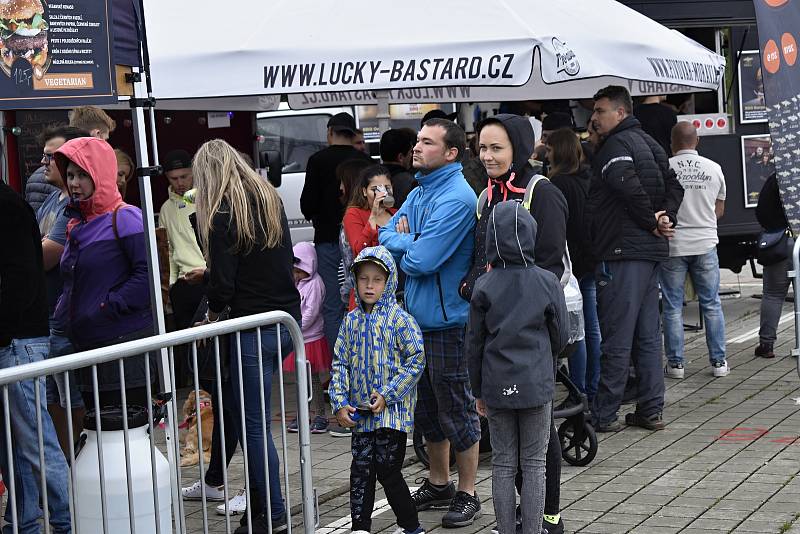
point(517, 325)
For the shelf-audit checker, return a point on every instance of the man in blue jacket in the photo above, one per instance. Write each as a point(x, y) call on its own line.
point(432, 238)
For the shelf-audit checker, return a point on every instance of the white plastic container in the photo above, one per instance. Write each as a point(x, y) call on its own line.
point(88, 510)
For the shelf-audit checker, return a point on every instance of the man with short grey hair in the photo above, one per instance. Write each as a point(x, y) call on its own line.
point(693, 250)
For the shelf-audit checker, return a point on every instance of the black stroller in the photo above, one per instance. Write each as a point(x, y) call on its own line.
point(577, 436)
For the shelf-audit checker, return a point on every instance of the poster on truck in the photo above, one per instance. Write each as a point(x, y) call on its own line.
point(55, 53)
point(751, 88)
point(757, 165)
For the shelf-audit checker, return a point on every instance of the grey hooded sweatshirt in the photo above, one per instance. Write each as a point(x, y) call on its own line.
point(518, 319)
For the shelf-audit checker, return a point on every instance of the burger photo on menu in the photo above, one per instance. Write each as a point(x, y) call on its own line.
point(23, 35)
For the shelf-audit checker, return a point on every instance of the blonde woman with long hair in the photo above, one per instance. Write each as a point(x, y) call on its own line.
point(245, 237)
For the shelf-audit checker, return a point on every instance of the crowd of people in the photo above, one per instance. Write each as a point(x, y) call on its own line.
point(433, 296)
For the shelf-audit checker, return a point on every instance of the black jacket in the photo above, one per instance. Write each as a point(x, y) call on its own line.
point(37, 189)
point(548, 206)
point(251, 282)
point(319, 200)
point(575, 188)
point(23, 290)
point(402, 182)
point(657, 120)
point(518, 318)
point(632, 181)
point(769, 210)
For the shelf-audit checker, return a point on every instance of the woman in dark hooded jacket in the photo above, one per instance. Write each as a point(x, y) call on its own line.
point(569, 173)
point(505, 143)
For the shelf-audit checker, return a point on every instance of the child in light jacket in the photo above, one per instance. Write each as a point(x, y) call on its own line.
point(378, 359)
point(518, 323)
point(318, 353)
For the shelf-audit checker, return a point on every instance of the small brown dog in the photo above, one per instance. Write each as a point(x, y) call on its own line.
point(190, 451)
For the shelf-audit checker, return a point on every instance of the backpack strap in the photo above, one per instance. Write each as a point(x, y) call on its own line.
point(528, 198)
point(114, 222)
point(482, 198)
point(116, 232)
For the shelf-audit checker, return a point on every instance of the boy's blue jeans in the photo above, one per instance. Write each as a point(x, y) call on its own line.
point(22, 411)
point(704, 270)
point(254, 410)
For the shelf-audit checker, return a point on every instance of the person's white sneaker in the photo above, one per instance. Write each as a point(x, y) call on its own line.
point(720, 369)
point(237, 505)
point(194, 493)
point(673, 370)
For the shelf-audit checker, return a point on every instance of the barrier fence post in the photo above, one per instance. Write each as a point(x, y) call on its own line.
point(90, 360)
point(794, 274)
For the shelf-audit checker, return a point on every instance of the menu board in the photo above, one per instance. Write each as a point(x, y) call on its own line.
point(55, 53)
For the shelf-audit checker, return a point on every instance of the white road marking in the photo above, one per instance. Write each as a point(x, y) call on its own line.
point(342, 525)
point(751, 334)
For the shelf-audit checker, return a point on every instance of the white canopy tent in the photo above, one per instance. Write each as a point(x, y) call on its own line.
point(336, 53)
point(245, 54)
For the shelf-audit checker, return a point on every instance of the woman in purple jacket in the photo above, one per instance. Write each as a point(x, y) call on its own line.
point(106, 295)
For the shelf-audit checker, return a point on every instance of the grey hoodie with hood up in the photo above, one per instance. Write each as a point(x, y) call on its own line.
point(518, 319)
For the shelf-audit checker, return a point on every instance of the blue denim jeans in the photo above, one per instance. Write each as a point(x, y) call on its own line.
point(591, 326)
point(328, 258)
point(704, 272)
point(584, 363)
point(56, 384)
point(22, 409)
point(257, 450)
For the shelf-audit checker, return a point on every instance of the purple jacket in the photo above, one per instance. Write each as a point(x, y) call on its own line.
point(106, 293)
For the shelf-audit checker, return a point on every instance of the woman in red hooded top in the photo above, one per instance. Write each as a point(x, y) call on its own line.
point(106, 295)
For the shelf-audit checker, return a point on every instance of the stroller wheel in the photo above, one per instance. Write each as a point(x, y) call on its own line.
point(421, 450)
point(578, 441)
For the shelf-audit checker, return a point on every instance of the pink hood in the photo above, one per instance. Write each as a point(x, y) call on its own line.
point(97, 158)
point(312, 292)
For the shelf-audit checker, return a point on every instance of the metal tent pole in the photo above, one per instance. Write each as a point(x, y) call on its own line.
point(145, 172)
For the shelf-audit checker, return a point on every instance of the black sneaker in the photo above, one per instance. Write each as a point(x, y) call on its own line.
point(428, 496)
point(613, 426)
point(651, 422)
point(550, 528)
point(260, 525)
point(464, 510)
point(765, 350)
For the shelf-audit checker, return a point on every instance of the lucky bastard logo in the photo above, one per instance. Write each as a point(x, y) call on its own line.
point(566, 61)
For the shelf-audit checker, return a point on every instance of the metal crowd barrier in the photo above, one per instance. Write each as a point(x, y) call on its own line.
point(165, 344)
point(794, 275)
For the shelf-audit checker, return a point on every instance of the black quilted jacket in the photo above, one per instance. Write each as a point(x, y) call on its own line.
point(632, 181)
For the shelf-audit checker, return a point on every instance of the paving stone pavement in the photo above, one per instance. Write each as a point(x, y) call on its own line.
point(728, 460)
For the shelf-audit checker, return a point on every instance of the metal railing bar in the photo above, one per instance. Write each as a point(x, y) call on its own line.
point(37, 388)
point(99, 436)
point(151, 438)
point(199, 424)
point(221, 422)
point(262, 407)
point(243, 427)
point(127, 444)
point(11, 482)
point(152, 343)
